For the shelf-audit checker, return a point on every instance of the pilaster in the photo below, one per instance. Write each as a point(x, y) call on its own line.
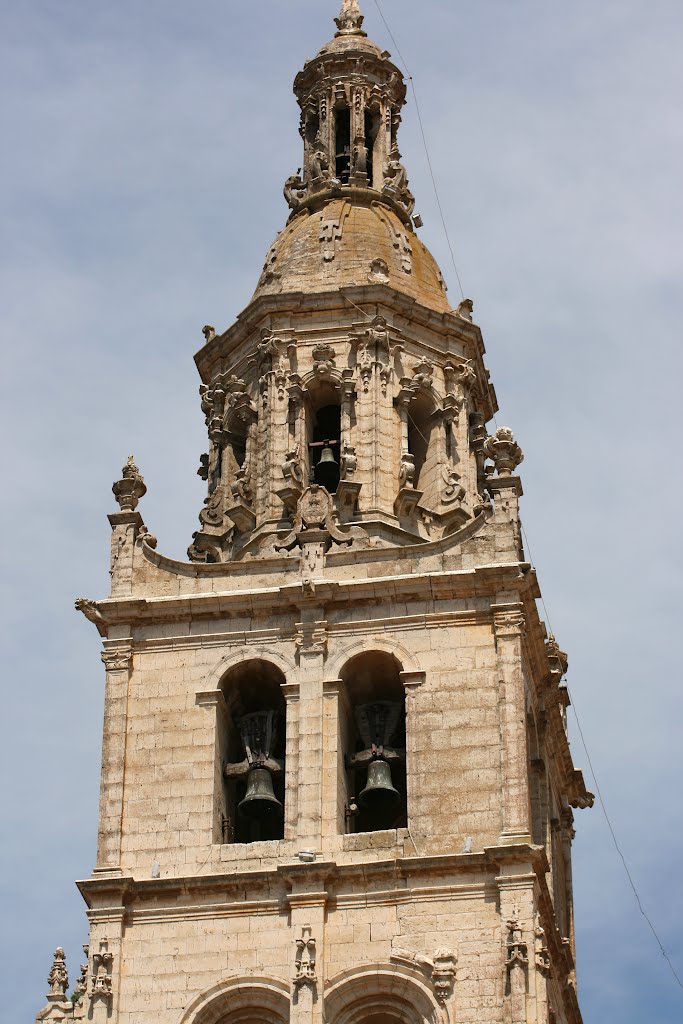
point(508, 624)
point(117, 657)
point(311, 643)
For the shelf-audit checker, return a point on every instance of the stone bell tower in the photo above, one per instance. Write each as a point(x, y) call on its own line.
point(336, 782)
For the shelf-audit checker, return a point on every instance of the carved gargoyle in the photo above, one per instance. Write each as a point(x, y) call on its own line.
point(294, 191)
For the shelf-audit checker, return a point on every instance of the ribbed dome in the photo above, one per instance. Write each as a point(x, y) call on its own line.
point(351, 242)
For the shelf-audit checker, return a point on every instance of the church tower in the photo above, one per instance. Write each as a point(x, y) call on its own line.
point(336, 781)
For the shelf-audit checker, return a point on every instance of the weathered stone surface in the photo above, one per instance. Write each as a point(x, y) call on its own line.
point(407, 588)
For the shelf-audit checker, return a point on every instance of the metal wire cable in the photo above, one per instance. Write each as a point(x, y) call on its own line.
point(424, 143)
point(573, 706)
point(601, 800)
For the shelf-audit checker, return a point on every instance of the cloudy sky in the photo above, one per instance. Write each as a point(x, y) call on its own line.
point(144, 150)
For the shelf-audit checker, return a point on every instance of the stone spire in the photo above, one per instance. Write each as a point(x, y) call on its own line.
point(350, 19)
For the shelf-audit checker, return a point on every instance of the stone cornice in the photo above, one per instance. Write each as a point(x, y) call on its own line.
point(260, 312)
point(294, 880)
point(462, 583)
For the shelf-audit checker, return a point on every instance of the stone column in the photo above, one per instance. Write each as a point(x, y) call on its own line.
point(117, 658)
point(508, 623)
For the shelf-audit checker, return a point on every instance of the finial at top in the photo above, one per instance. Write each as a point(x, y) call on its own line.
point(350, 19)
point(130, 488)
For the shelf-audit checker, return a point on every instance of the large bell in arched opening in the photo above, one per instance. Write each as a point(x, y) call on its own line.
point(260, 802)
point(379, 793)
point(327, 470)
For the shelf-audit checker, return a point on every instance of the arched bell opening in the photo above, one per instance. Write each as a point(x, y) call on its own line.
point(372, 120)
point(420, 425)
point(251, 753)
point(373, 736)
point(237, 456)
point(312, 128)
point(241, 1000)
point(381, 994)
point(342, 147)
point(324, 437)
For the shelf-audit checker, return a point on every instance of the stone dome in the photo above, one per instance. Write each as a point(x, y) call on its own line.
point(349, 242)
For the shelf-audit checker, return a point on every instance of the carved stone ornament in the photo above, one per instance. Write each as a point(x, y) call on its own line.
point(241, 486)
point(145, 537)
point(292, 469)
point(396, 181)
point(81, 986)
point(439, 969)
point(558, 659)
point(379, 272)
point(350, 19)
point(323, 359)
point(465, 309)
point(443, 974)
point(130, 488)
point(117, 661)
point(452, 490)
point(509, 623)
point(541, 954)
point(516, 948)
point(90, 610)
point(348, 462)
point(423, 373)
point(294, 191)
point(315, 511)
point(406, 470)
point(304, 961)
point(503, 451)
point(58, 978)
point(311, 638)
point(101, 980)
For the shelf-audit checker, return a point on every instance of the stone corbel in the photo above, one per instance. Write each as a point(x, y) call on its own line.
point(412, 680)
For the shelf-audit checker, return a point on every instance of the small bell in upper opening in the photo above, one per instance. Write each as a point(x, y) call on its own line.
point(327, 470)
point(379, 793)
point(260, 801)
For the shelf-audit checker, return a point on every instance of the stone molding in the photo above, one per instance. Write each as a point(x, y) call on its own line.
point(240, 992)
point(358, 992)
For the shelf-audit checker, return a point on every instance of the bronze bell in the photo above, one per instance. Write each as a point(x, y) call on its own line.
point(260, 800)
point(379, 793)
point(327, 470)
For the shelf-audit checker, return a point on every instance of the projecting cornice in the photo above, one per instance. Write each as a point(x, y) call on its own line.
point(267, 311)
point(480, 582)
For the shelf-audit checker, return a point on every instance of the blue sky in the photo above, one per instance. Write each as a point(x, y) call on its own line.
point(145, 146)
